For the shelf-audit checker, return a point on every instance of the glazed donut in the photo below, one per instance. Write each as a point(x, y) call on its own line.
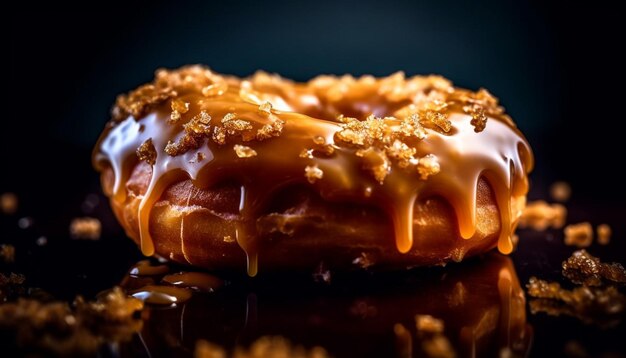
point(226, 173)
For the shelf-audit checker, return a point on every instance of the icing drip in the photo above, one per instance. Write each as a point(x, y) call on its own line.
point(341, 171)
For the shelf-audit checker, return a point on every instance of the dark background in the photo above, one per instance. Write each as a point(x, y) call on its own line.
point(557, 69)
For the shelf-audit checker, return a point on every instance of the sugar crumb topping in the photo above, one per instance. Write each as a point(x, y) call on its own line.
point(146, 152)
point(243, 151)
point(313, 173)
point(423, 105)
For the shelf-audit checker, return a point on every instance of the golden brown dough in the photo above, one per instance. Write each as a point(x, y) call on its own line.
point(191, 225)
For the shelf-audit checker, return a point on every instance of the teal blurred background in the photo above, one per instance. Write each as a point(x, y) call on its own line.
point(557, 68)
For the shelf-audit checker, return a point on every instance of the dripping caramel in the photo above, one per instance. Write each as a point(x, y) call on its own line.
point(383, 142)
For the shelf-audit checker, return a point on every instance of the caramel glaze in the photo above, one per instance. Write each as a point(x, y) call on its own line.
point(304, 117)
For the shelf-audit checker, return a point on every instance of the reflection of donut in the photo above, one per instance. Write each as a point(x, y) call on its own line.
point(199, 165)
point(480, 302)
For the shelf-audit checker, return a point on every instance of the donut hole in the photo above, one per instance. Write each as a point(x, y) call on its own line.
point(357, 105)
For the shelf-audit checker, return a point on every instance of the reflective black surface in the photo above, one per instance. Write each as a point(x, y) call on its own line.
point(353, 315)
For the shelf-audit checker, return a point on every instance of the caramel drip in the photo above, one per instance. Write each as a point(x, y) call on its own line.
point(499, 153)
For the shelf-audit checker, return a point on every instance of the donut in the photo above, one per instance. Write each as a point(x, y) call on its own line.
point(229, 173)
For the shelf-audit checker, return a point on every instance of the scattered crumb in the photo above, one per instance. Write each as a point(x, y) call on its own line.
point(228, 239)
point(42, 241)
point(313, 173)
point(363, 310)
point(438, 346)
point(560, 191)
point(428, 324)
point(11, 285)
point(85, 228)
point(322, 274)
point(515, 240)
point(8, 203)
point(579, 235)
point(604, 232)
point(583, 268)
point(57, 329)
point(603, 306)
point(506, 352)
point(206, 349)
point(433, 341)
point(264, 347)
point(146, 152)
point(90, 203)
point(540, 215)
point(458, 296)
point(404, 341)
point(243, 151)
point(7, 253)
point(573, 349)
point(25, 222)
point(364, 261)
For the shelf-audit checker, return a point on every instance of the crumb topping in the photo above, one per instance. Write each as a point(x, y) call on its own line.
point(234, 126)
point(195, 132)
point(265, 109)
point(420, 104)
point(269, 130)
point(178, 108)
point(243, 151)
point(479, 118)
point(382, 141)
point(146, 152)
point(427, 166)
point(313, 173)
